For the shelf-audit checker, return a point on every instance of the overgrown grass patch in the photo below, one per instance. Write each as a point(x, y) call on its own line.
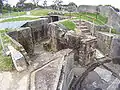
point(114, 31)
point(69, 24)
point(41, 12)
point(5, 61)
point(18, 19)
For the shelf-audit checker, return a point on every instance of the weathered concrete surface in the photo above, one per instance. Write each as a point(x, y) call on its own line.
point(14, 80)
point(47, 76)
point(38, 29)
point(87, 8)
point(115, 47)
point(24, 37)
point(50, 67)
point(83, 46)
point(104, 39)
point(32, 33)
point(18, 59)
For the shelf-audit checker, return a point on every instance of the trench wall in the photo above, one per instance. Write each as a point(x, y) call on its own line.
point(104, 39)
point(32, 33)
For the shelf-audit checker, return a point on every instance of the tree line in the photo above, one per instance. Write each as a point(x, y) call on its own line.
point(23, 6)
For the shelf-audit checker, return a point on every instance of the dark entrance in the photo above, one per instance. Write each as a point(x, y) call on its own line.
point(54, 18)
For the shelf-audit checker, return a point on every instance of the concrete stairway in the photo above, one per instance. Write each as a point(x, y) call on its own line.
point(82, 27)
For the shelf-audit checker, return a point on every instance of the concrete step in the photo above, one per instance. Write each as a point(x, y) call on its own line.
point(77, 24)
point(88, 33)
point(85, 30)
point(82, 23)
point(83, 27)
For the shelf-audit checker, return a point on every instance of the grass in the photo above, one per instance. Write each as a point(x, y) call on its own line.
point(5, 61)
point(18, 19)
point(69, 24)
point(41, 12)
point(100, 20)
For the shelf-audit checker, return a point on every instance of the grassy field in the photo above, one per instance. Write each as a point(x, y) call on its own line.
point(100, 20)
point(41, 12)
point(18, 19)
point(69, 24)
point(5, 61)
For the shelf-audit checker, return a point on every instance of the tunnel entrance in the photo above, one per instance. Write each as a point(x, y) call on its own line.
point(54, 18)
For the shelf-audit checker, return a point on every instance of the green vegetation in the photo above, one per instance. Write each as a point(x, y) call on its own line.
point(114, 31)
point(41, 12)
point(5, 61)
point(100, 20)
point(19, 19)
point(69, 24)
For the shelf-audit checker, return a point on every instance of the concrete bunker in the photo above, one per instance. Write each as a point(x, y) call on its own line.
point(76, 65)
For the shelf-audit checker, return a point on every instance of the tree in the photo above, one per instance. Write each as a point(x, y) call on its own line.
point(58, 4)
point(29, 6)
point(45, 3)
point(1, 5)
point(7, 8)
point(97, 11)
point(22, 1)
point(72, 7)
point(36, 2)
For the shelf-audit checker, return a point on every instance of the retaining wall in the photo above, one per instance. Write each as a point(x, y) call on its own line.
point(104, 39)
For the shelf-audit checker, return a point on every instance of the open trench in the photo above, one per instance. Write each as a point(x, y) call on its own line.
point(85, 72)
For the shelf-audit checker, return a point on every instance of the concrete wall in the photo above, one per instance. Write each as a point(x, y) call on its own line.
point(24, 37)
point(109, 12)
point(68, 73)
point(114, 19)
point(32, 33)
point(104, 42)
point(93, 27)
point(38, 29)
point(115, 47)
point(87, 8)
point(104, 39)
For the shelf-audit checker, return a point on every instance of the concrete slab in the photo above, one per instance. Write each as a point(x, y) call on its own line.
point(18, 59)
point(104, 74)
point(47, 76)
point(114, 85)
point(99, 54)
